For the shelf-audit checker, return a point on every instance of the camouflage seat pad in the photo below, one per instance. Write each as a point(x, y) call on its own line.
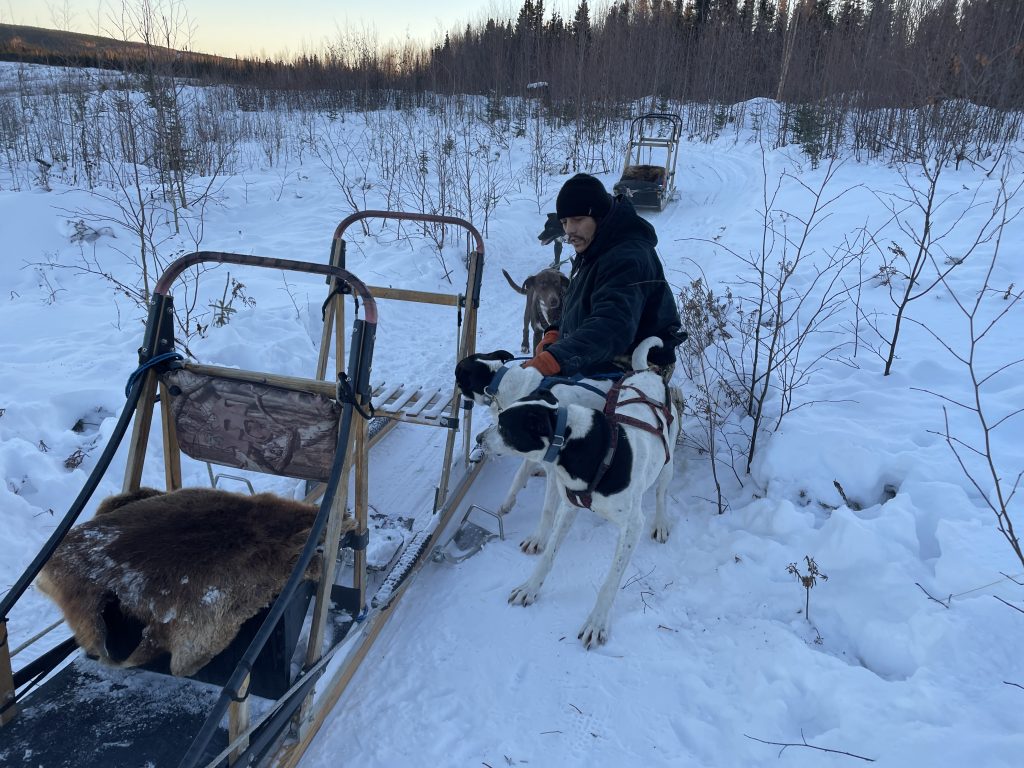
point(260, 427)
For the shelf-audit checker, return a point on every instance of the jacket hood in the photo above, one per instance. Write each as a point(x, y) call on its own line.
point(621, 224)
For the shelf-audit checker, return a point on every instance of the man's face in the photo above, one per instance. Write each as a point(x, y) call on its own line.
point(579, 231)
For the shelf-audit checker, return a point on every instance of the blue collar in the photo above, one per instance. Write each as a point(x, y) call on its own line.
point(491, 390)
point(558, 439)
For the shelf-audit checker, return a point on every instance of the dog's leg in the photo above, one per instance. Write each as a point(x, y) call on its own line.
point(526, 593)
point(526, 325)
point(661, 525)
point(518, 483)
point(595, 629)
point(552, 495)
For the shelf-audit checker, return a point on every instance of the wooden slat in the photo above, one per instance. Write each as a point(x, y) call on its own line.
point(437, 409)
point(423, 297)
point(313, 386)
point(403, 397)
point(426, 396)
point(385, 393)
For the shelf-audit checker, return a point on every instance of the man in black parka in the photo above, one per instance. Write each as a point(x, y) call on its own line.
point(617, 295)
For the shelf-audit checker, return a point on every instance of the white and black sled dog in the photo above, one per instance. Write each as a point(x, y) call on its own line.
point(603, 458)
point(487, 379)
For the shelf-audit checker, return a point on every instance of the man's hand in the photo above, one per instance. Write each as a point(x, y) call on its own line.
point(545, 363)
point(549, 337)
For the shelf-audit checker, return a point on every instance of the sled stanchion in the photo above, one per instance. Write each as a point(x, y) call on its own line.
point(158, 340)
point(333, 317)
point(363, 337)
point(172, 451)
point(362, 504)
point(8, 703)
point(238, 722)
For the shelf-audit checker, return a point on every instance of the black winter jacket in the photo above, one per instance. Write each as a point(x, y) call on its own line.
point(617, 296)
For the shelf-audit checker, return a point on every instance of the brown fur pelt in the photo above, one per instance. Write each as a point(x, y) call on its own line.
point(176, 573)
point(653, 173)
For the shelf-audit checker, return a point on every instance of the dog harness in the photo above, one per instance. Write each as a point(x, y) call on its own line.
point(579, 380)
point(490, 392)
point(662, 416)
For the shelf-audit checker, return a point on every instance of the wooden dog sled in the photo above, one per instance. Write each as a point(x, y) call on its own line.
point(262, 699)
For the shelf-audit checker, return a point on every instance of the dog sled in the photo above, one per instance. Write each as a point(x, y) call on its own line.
point(649, 172)
point(261, 699)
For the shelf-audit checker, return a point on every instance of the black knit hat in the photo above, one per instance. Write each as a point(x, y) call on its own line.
point(583, 195)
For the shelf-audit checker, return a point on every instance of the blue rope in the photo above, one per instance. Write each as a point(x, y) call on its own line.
point(153, 361)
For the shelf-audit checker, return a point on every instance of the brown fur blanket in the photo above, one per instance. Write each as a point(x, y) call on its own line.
point(176, 573)
point(652, 173)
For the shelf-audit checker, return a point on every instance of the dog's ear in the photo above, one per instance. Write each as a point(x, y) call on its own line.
point(541, 422)
point(565, 281)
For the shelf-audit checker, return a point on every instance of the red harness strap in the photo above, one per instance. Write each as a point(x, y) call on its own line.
point(661, 411)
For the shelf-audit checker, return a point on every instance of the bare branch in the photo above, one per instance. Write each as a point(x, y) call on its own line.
point(803, 743)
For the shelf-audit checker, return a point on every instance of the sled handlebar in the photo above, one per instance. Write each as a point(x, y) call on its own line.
point(163, 285)
point(406, 216)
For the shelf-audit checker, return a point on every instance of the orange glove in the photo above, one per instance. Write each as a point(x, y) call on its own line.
point(545, 363)
point(549, 337)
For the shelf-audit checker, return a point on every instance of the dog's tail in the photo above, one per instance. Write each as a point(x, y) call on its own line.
point(639, 361)
point(518, 288)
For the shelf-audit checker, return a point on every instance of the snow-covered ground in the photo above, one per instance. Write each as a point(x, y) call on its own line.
point(711, 653)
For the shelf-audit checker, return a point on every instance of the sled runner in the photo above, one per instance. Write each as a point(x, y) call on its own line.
point(649, 172)
point(263, 697)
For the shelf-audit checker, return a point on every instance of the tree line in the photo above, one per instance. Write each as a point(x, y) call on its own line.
point(885, 78)
point(884, 53)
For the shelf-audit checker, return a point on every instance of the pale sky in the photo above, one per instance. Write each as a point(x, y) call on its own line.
point(271, 27)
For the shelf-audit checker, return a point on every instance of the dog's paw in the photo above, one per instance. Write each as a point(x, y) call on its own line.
point(524, 594)
point(660, 533)
point(594, 633)
point(532, 545)
point(524, 349)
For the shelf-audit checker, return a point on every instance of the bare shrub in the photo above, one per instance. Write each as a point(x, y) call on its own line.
point(984, 311)
point(920, 213)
